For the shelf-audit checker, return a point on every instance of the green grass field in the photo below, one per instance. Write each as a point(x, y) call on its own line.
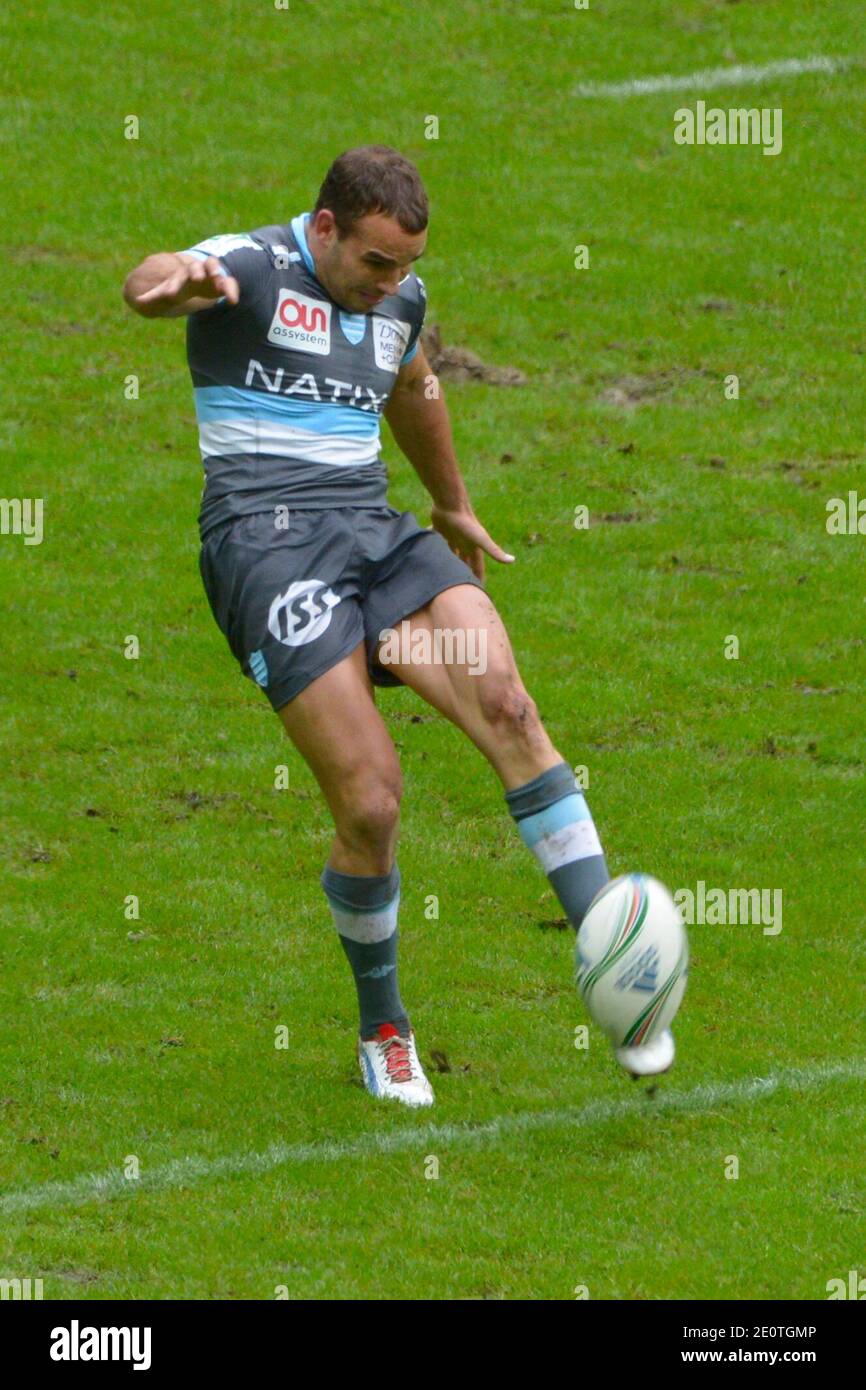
point(265, 1169)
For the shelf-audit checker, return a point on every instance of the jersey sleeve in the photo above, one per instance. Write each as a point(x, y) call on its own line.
point(420, 309)
point(246, 259)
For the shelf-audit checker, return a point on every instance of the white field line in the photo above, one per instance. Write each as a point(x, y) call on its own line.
point(426, 1138)
point(738, 74)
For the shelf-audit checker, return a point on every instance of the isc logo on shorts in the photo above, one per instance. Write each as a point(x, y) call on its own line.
point(301, 323)
point(302, 613)
point(390, 337)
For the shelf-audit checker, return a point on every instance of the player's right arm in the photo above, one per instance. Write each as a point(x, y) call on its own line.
point(170, 284)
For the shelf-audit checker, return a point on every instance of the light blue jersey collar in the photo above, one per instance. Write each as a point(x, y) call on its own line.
point(299, 231)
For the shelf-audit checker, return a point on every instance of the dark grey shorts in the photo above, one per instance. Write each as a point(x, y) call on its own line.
point(292, 603)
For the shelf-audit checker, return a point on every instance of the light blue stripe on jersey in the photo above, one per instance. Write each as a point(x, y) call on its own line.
point(564, 812)
point(354, 326)
point(320, 417)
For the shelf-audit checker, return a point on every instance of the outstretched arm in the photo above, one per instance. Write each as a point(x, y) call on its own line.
point(170, 284)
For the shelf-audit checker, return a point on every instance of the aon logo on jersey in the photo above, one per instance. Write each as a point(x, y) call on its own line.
point(301, 323)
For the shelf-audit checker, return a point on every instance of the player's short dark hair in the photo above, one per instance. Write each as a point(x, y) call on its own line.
point(374, 178)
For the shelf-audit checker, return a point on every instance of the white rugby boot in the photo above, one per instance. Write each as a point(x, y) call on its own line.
point(650, 1059)
point(390, 1067)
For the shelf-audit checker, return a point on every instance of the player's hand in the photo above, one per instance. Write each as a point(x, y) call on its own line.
point(193, 279)
point(467, 537)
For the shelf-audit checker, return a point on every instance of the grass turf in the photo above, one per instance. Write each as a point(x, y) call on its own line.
point(155, 1037)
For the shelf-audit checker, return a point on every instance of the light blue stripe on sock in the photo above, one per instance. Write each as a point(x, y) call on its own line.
point(561, 813)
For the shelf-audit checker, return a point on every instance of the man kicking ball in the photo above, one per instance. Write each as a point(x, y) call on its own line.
point(299, 338)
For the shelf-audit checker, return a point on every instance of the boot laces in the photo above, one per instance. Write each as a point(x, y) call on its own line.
point(394, 1052)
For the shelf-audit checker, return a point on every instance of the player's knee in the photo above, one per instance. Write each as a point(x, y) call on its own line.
point(507, 706)
point(369, 810)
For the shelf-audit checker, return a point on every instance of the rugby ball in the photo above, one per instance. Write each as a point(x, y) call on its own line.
point(632, 962)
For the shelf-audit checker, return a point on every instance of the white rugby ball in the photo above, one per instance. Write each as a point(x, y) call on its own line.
point(632, 960)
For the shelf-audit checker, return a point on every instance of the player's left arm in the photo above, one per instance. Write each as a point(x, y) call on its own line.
point(418, 417)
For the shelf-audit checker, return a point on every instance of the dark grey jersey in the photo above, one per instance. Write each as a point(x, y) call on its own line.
point(289, 388)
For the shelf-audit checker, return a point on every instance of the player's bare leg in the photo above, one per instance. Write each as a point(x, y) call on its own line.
point(494, 708)
point(336, 727)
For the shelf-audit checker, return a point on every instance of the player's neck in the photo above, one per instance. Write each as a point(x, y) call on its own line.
point(315, 250)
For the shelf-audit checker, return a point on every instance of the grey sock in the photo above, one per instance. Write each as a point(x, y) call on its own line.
point(364, 908)
point(554, 822)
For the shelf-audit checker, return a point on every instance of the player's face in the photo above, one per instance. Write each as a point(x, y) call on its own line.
point(361, 269)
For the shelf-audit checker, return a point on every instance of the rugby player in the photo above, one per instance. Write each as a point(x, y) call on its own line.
point(300, 337)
